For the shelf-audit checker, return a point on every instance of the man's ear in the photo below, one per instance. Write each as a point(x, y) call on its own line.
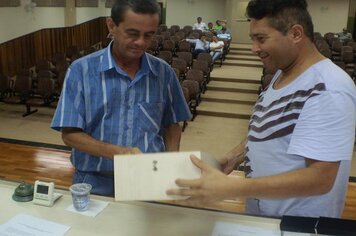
point(110, 24)
point(297, 32)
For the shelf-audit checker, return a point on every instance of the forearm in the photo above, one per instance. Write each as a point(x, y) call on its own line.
point(316, 179)
point(172, 135)
point(237, 152)
point(79, 140)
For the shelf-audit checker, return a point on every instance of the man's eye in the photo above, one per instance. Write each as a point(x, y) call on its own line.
point(261, 39)
point(133, 34)
point(150, 35)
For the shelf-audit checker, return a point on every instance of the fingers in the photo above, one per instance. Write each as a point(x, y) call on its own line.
point(185, 192)
point(135, 150)
point(188, 183)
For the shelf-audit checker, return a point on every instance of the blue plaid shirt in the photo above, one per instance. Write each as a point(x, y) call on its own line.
point(100, 98)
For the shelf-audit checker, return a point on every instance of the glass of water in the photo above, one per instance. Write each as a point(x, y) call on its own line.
point(80, 196)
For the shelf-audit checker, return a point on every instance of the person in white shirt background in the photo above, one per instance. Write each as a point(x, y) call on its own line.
point(216, 48)
point(200, 25)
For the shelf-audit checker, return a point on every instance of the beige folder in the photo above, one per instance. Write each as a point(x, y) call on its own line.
point(149, 176)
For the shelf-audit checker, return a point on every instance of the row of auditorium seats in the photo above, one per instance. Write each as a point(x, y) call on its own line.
point(342, 54)
point(41, 84)
point(193, 73)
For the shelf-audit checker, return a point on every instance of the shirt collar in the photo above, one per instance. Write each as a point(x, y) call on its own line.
point(108, 62)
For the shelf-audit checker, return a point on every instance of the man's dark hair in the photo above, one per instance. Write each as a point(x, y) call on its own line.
point(282, 14)
point(120, 7)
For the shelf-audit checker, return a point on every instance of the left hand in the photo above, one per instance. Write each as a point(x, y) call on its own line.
point(210, 187)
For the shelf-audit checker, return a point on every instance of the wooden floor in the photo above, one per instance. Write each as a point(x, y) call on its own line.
point(19, 162)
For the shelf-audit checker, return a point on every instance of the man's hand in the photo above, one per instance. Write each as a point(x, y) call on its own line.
point(233, 158)
point(212, 186)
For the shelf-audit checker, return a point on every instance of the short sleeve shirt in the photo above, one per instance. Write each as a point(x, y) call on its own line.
point(313, 117)
point(100, 99)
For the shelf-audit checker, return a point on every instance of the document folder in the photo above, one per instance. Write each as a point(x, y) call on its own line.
point(149, 176)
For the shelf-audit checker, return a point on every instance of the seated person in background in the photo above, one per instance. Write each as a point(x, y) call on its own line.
point(224, 33)
point(211, 27)
point(200, 45)
point(216, 48)
point(344, 35)
point(218, 26)
point(223, 23)
point(200, 25)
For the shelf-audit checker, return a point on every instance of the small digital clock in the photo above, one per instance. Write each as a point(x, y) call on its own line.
point(44, 194)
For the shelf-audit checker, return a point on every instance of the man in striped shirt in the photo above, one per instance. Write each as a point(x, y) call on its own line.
point(120, 100)
point(302, 131)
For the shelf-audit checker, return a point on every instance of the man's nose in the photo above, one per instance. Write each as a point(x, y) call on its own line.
point(255, 48)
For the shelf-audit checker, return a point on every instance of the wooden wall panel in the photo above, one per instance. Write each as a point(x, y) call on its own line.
point(23, 52)
point(50, 3)
point(10, 3)
point(109, 3)
point(86, 3)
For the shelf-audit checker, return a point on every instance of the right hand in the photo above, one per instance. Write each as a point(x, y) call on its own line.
point(131, 150)
point(118, 150)
point(232, 159)
point(230, 164)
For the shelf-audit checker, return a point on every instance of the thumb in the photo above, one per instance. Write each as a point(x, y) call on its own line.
point(199, 163)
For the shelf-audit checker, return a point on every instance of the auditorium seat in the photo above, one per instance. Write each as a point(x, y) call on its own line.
point(175, 28)
point(169, 45)
point(194, 95)
point(43, 64)
point(184, 46)
point(187, 29)
point(181, 65)
point(105, 42)
point(336, 50)
point(43, 95)
point(153, 48)
point(89, 50)
point(58, 57)
point(162, 27)
point(166, 35)
point(175, 39)
point(205, 56)
point(187, 99)
point(5, 86)
point(166, 56)
point(197, 75)
point(203, 66)
point(21, 90)
point(72, 53)
point(187, 56)
point(180, 34)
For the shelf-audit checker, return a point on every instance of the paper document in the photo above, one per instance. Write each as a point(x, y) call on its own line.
point(149, 176)
point(23, 224)
point(95, 207)
point(232, 229)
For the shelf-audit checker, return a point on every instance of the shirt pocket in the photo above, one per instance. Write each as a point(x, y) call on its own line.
point(150, 116)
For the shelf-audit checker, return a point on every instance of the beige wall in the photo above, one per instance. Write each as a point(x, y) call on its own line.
point(235, 12)
point(185, 12)
point(328, 16)
point(16, 21)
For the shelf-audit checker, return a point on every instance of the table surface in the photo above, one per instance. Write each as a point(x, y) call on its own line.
point(127, 218)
